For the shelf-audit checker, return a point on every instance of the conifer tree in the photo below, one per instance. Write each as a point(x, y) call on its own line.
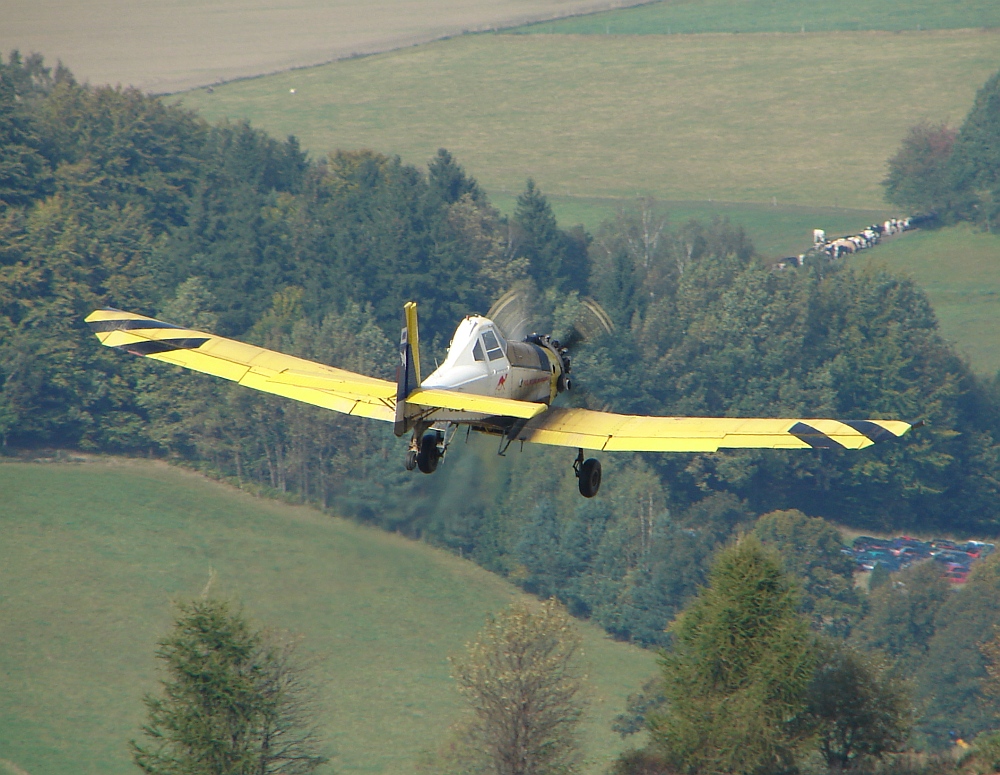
point(235, 701)
point(735, 681)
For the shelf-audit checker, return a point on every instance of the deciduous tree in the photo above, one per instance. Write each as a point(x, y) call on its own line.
point(858, 711)
point(523, 680)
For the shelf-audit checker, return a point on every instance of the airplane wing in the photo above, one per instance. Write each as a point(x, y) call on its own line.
point(254, 367)
point(586, 429)
point(355, 394)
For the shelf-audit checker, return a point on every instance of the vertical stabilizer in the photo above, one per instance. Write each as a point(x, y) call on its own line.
point(408, 370)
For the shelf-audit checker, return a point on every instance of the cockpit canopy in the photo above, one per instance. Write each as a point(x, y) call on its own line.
point(494, 343)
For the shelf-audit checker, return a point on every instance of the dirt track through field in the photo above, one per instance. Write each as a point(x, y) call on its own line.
point(174, 45)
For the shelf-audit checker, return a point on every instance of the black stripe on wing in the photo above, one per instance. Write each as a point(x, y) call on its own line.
point(127, 324)
point(872, 430)
point(157, 346)
point(813, 437)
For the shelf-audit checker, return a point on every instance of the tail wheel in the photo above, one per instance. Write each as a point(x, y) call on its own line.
point(590, 477)
point(429, 454)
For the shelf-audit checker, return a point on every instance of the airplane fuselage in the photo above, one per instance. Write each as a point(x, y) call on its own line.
point(480, 361)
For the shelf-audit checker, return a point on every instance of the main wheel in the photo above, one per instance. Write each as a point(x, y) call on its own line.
point(411, 459)
point(590, 477)
point(427, 458)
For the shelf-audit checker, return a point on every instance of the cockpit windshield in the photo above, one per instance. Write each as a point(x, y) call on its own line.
point(493, 349)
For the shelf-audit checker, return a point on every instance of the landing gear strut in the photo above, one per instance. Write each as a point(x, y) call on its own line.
point(589, 473)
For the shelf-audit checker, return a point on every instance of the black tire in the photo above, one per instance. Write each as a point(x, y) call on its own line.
point(411, 459)
point(590, 477)
point(427, 458)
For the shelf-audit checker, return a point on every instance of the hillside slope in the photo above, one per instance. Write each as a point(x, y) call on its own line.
point(175, 44)
point(770, 118)
point(94, 553)
point(959, 267)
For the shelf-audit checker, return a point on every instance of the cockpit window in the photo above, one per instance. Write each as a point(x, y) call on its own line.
point(493, 350)
point(491, 341)
point(477, 351)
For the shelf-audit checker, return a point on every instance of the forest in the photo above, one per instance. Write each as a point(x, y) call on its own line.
point(110, 197)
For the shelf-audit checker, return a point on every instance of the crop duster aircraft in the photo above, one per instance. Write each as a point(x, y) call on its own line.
point(487, 383)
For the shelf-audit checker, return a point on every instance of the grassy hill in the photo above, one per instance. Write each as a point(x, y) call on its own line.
point(774, 119)
point(776, 231)
point(93, 553)
point(689, 16)
point(781, 133)
point(960, 270)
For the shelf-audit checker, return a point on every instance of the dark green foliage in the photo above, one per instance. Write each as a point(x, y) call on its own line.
point(919, 176)
point(952, 680)
point(640, 762)
point(24, 171)
point(234, 701)
point(934, 635)
point(556, 259)
point(902, 615)
point(953, 176)
point(639, 707)
point(812, 551)
point(735, 679)
point(625, 564)
point(855, 708)
point(880, 576)
point(975, 160)
point(448, 181)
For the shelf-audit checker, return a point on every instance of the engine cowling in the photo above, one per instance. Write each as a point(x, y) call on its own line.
point(561, 358)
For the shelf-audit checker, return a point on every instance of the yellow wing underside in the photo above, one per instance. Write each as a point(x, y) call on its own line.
point(254, 367)
point(586, 429)
point(355, 394)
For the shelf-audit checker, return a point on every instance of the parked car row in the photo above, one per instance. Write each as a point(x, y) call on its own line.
point(956, 557)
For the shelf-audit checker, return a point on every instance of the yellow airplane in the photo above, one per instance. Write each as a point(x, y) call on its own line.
point(487, 383)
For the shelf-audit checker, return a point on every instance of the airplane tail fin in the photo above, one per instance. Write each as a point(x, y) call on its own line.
point(408, 370)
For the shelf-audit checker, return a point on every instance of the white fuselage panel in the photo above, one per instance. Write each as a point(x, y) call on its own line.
point(481, 362)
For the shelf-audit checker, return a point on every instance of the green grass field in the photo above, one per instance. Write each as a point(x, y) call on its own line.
point(776, 231)
point(787, 119)
point(689, 16)
point(93, 554)
point(960, 270)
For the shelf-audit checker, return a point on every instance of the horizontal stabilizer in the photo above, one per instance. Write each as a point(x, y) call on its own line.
point(470, 402)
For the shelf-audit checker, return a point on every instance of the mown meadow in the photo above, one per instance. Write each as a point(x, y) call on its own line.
point(692, 16)
point(960, 270)
point(94, 553)
point(778, 119)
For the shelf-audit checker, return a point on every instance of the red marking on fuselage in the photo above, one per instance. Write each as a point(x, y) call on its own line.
point(503, 379)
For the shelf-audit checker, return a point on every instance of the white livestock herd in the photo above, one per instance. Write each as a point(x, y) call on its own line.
point(843, 246)
point(870, 237)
